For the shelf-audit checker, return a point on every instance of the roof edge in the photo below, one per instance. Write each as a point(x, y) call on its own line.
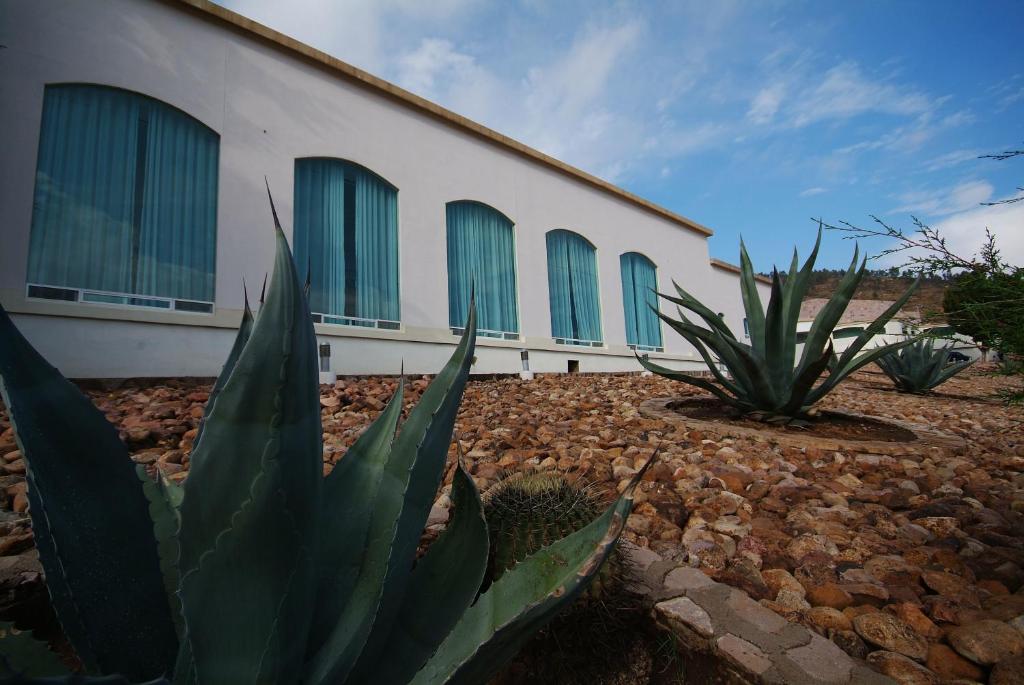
point(365, 79)
point(726, 266)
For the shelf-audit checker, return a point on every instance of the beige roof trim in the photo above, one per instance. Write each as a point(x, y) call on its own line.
point(351, 73)
point(726, 266)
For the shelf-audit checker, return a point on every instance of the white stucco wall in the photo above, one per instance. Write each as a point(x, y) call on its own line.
point(269, 108)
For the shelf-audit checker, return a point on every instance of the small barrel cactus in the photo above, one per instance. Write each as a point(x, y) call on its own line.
point(529, 511)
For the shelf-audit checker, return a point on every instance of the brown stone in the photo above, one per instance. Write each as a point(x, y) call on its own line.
point(778, 579)
point(1008, 672)
point(828, 618)
point(850, 642)
point(901, 669)
point(949, 665)
point(949, 585)
point(987, 642)
point(829, 595)
point(915, 618)
point(892, 634)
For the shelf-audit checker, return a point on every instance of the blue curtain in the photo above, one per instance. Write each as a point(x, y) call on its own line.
point(125, 197)
point(481, 250)
point(376, 234)
point(639, 281)
point(346, 234)
point(319, 225)
point(573, 287)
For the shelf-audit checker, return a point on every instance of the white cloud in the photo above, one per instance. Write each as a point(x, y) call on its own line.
point(766, 103)
point(810, 192)
point(951, 159)
point(959, 198)
point(845, 92)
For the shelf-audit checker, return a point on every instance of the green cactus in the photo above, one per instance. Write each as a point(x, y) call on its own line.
point(525, 513)
point(765, 380)
point(262, 570)
point(919, 367)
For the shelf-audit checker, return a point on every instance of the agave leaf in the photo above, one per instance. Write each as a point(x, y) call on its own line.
point(248, 518)
point(444, 584)
point(699, 337)
point(525, 598)
point(164, 497)
point(842, 372)
point(713, 320)
point(752, 301)
point(407, 490)
point(828, 317)
point(877, 326)
point(90, 518)
point(695, 381)
point(947, 373)
point(803, 383)
point(696, 335)
point(345, 514)
point(22, 656)
point(242, 337)
point(775, 339)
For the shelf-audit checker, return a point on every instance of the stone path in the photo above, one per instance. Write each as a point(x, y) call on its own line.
point(736, 638)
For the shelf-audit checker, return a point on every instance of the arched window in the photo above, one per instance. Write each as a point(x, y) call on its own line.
point(481, 251)
point(639, 283)
point(573, 289)
point(346, 236)
point(125, 206)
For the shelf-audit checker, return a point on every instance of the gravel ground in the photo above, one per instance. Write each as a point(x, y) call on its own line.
point(918, 559)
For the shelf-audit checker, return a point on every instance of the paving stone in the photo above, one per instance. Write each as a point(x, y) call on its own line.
point(742, 654)
point(822, 661)
point(684, 579)
point(755, 614)
point(684, 612)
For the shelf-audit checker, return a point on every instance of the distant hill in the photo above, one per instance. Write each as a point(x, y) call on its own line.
point(884, 285)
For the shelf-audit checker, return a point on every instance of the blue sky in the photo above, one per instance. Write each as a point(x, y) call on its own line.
point(748, 117)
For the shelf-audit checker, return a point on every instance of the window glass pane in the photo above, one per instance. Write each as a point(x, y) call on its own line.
point(639, 282)
point(481, 252)
point(346, 236)
point(573, 287)
point(125, 197)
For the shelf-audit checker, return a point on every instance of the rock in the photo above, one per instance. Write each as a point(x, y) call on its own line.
point(849, 642)
point(949, 665)
point(915, 618)
point(828, 618)
point(778, 579)
point(901, 669)
point(892, 570)
point(743, 574)
point(949, 585)
point(805, 545)
point(987, 642)
point(829, 595)
point(1008, 672)
point(892, 634)
point(939, 526)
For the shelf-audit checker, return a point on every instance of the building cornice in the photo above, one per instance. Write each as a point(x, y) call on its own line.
point(364, 79)
point(726, 266)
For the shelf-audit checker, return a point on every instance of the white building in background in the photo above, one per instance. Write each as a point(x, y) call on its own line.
point(860, 314)
point(137, 135)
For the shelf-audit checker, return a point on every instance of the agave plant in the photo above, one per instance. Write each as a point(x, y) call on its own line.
point(765, 380)
point(261, 569)
point(919, 367)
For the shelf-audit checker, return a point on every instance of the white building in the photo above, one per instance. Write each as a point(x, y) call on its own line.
point(137, 135)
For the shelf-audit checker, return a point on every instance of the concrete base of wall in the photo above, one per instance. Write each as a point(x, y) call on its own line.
point(106, 348)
